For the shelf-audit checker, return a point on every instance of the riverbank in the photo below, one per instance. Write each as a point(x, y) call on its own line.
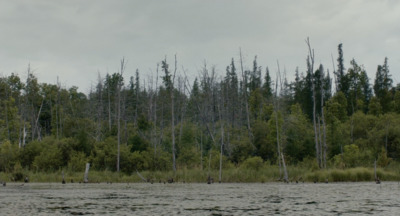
point(232, 175)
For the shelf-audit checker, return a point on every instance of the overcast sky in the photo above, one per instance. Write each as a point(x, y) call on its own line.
point(75, 40)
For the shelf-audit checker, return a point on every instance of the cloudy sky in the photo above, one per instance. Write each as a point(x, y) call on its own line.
point(75, 40)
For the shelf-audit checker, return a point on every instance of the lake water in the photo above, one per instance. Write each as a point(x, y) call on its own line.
point(200, 199)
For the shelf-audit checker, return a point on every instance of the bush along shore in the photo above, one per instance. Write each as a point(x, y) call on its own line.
point(230, 175)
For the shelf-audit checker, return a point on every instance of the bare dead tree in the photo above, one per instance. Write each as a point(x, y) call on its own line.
point(173, 120)
point(36, 128)
point(201, 150)
point(334, 72)
point(182, 104)
point(57, 106)
point(276, 107)
point(155, 115)
point(310, 61)
point(99, 92)
point(222, 135)
point(109, 107)
point(285, 174)
point(137, 89)
point(123, 64)
point(244, 87)
point(324, 146)
point(221, 151)
point(86, 175)
point(202, 113)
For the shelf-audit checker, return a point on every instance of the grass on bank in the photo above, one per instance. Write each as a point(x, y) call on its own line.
point(234, 175)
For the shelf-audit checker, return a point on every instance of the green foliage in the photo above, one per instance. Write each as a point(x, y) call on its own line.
point(137, 143)
point(352, 157)
point(189, 158)
point(375, 107)
point(215, 159)
point(49, 159)
point(162, 160)
point(256, 103)
point(253, 163)
point(299, 136)
point(309, 163)
point(140, 160)
point(77, 162)
point(242, 149)
point(18, 173)
point(104, 155)
point(336, 108)
point(383, 160)
point(8, 154)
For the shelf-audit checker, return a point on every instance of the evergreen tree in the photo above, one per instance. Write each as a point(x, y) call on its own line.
point(383, 85)
point(267, 86)
point(255, 76)
point(340, 80)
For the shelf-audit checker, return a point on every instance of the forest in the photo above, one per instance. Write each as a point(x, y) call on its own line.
point(242, 119)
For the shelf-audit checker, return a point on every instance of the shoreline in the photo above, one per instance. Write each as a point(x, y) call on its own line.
point(232, 175)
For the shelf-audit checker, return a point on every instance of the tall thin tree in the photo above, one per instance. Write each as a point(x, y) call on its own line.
point(120, 83)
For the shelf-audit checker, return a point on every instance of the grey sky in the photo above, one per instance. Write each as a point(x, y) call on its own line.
point(75, 39)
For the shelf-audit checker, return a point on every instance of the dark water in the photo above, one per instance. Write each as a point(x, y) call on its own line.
point(200, 199)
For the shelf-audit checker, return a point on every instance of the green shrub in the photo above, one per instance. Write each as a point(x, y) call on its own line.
point(48, 160)
point(253, 163)
point(77, 162)
point(18, 173)
point(215, 159)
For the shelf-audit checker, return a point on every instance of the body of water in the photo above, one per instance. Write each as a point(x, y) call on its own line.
point(200, 199)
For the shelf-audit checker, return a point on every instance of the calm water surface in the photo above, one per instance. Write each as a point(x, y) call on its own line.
point(200, 199)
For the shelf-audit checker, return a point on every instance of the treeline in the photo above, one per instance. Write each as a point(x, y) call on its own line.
point(322, 118)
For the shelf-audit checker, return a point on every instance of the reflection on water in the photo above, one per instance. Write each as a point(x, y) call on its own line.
point(200, 199)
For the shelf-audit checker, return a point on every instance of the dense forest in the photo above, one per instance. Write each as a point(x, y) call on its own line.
point(340, 118)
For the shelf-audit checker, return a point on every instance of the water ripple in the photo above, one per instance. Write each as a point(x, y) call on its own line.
point(200, 199)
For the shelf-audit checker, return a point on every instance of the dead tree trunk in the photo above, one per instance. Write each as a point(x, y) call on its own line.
point(222, 141)
point(276, 107)
point(57, 106)
point(109, 107)
point(320, 140)
point(119, 111)
point(155, 116)
point(221, 152)
point(285, 174)
point(173, 120)
point(310, 61)
point(246, 100)
point(37, 129)
point(323, 120)
point(201, 150)
point(204, 119)
point(86, 176)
